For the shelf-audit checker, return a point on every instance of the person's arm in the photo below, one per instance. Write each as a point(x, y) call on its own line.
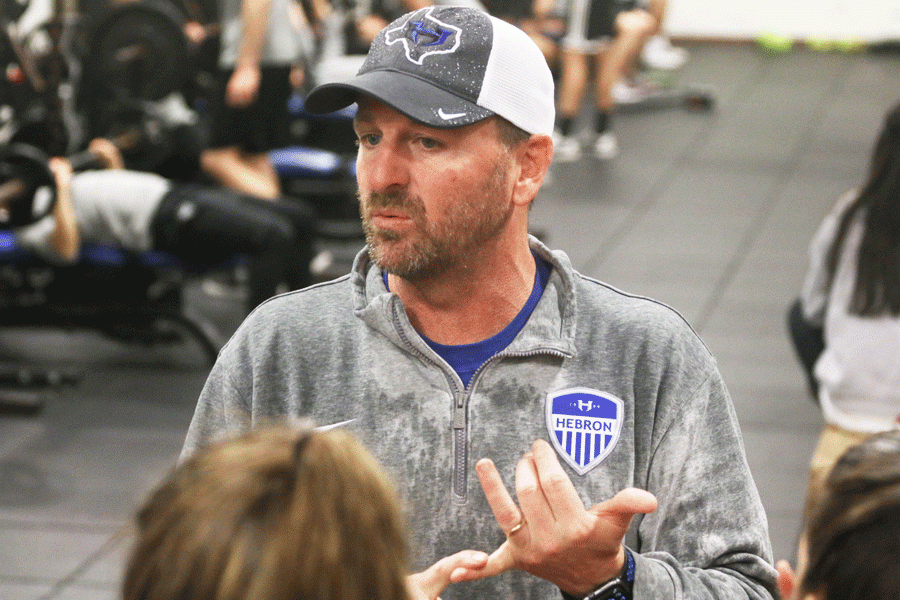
point(709, 537)
point(223, 409)
point(64, 239)
point(107, 153)
point(244, 83)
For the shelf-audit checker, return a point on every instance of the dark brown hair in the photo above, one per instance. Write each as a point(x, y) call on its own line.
point(853, 532)
point(511, 135)
point(877, 288)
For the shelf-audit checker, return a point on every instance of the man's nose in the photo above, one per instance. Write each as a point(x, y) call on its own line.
point(384, 167)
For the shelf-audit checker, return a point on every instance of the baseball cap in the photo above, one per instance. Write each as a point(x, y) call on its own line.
point(450, 66)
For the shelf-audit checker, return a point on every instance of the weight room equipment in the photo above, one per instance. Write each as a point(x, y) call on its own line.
point(132, 297)
point(139, 51)
point(27, 186)
point(125, 61)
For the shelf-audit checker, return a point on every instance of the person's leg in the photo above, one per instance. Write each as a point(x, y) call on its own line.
point(202, 225)
point(237, 155)
point(573, 82)
point(657, 8)
point(658, 52)
point(632, 28)
point(303, 218)
point(248, 173)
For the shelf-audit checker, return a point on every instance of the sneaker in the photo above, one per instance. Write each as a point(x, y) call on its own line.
point(566, 148)
point(606, 146)
point(215, 288)
point(321, 263)
point(659, 53)
point(634, 90)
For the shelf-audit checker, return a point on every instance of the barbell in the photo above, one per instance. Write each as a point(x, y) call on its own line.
point(27, 185)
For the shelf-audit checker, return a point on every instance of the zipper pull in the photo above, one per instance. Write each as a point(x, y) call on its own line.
point(459, 410)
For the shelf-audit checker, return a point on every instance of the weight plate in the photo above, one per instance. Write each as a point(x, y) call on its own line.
point(138, 51)
point(20, 162)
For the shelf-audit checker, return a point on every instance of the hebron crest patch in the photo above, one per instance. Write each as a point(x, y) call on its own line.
point(423, 35)
point(584, 425)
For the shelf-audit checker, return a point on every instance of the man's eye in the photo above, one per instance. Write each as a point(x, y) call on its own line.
point(369, 139)
point(428, 142)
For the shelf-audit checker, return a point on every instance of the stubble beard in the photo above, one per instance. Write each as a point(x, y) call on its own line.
point(435, 247)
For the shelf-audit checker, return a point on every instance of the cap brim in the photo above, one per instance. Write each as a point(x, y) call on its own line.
point(415, 98)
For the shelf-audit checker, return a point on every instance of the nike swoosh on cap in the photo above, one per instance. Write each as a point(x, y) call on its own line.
point(448, 117)
point(334, 425)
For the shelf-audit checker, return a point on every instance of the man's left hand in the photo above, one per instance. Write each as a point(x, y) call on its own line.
point(553, 535)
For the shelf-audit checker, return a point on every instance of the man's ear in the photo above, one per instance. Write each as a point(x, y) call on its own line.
point(787, 580)
point(534, 157)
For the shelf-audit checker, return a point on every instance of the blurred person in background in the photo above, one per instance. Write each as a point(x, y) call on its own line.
point(140, 211)
point(261, 43)
point(606, 37)
point(846, 324)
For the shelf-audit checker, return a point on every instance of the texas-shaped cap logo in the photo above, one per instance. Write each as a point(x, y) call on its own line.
point(584, 425)
point(422, 35)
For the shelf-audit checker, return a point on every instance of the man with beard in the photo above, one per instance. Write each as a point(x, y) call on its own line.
point(458, 337)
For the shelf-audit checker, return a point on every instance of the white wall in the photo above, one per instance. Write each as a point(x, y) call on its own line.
point(861, 20)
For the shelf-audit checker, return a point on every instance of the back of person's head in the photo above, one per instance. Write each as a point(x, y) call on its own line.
point(280, 513)
point(853, 533)
point(885, 167)
point(877, 285)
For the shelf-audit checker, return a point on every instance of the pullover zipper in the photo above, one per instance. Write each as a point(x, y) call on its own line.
point(460, 447)
point(461, 408)
point(460, 419)
point(461, 423)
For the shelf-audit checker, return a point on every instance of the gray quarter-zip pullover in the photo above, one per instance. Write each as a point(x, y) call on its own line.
point(345, 352)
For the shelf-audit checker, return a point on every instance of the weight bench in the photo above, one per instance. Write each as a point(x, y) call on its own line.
point(128, 296)
point(327, 180)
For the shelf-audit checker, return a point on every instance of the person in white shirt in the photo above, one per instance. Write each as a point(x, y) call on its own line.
point(852, 292)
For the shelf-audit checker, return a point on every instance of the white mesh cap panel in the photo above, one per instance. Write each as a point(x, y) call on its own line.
point(518, 84)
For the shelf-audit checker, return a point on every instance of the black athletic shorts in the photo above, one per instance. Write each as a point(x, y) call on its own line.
point(262, 126)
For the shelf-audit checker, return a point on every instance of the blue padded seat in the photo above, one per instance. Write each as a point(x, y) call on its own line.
point(10, 250)
point(104, 256)
point(306, 163)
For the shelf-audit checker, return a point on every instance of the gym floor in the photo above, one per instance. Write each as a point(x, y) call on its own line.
point(710, 212)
